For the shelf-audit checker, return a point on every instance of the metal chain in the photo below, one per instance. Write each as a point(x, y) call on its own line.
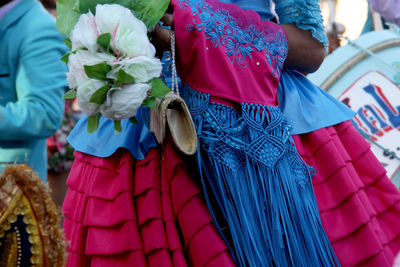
point(174, 84)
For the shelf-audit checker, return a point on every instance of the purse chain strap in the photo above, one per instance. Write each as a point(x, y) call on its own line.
point(174, 84)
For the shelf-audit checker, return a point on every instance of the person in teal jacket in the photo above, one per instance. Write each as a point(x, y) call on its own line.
point(32, 83)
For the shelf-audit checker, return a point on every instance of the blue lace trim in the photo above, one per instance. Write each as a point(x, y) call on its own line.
point(222, 30)
point(258, 132)
point(260, 183)
point(306, 14)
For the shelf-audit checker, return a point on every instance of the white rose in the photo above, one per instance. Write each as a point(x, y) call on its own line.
point(85, 92)
point(133, 44)
point(84, 34)
point(142, 68)
point(123, 102)
point(129, 34)
point(110, 17)
point(76, 75)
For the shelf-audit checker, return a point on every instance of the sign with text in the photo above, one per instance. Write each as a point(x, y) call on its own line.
point(376, 100)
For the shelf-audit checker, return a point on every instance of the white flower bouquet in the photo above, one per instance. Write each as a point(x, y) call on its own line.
point(112, 65)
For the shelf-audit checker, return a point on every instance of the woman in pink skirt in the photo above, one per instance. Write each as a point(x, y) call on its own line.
point(133, 203)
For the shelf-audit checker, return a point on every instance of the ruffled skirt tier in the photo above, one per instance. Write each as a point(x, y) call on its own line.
point(122, 212)
point(359, 205)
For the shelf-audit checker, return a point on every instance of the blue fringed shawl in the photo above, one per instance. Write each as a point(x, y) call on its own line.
point(260, 183)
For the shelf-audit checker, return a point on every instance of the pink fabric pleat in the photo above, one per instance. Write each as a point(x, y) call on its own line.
point(119, 212)
point(359, 205)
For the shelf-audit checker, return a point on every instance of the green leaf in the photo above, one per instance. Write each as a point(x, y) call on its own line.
point(54, 161)
point(123, 78)
point(68, 15)
point(117, 126)
point(68, 42)
point(71, 94)
point(133, 120)
point(104, 40)
point(150, 102)
point(93, 123)
point(65, 57)
point(150, 11)
point(98, 71)
point(159, 89)
point(100, 95)
point(86, 5)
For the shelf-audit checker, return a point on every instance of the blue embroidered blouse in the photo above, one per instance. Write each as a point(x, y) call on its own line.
point(306, 99)
point(306, 107)
point(305, 13)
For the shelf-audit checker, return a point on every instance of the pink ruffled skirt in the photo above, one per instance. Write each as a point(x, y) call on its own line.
point(359, 205)
point(119, 212)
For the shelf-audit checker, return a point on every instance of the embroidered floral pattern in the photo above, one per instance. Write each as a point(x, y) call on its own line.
point(223, 30)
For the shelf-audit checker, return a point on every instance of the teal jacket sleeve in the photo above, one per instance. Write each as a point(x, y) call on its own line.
point(40, 82)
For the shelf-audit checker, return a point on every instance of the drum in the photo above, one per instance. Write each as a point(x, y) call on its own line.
point(365, 75)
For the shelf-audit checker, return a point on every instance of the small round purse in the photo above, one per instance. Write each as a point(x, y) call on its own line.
point(172, 114)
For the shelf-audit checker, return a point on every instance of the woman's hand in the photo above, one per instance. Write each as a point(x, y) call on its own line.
point(305, 53)
point(161, 36)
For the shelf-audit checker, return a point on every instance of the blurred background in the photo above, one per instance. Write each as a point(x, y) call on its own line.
point(363, 71)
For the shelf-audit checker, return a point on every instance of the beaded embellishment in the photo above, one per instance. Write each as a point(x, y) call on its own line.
point(29, 230)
